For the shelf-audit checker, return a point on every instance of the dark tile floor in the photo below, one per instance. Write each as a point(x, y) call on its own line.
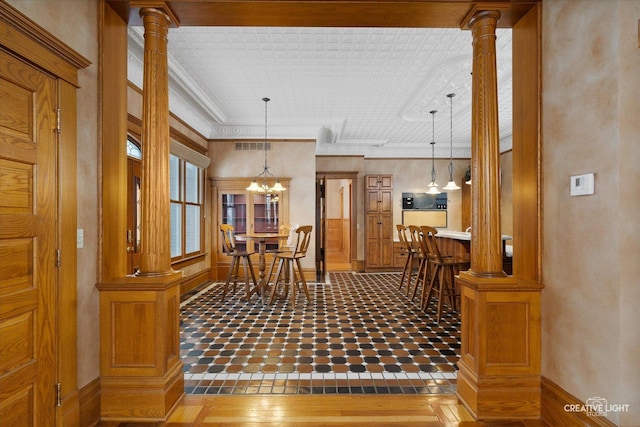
point(358, 334)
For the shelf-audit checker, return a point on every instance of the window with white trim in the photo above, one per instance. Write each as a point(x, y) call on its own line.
point(187, 208)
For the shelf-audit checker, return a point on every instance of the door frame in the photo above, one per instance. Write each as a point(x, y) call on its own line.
point(353, 232)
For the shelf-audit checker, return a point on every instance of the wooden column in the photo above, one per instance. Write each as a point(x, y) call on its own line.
point(141, 371)
point(155, 237)
point(486, 238)
point(499, 367)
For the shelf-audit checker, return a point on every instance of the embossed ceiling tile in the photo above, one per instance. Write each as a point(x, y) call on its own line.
point(367, 79)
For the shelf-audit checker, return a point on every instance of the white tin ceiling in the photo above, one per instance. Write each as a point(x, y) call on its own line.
point(364, 91)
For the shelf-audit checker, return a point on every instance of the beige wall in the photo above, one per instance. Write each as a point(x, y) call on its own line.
point(295, 160)
point(80, 32)
point(591, 69)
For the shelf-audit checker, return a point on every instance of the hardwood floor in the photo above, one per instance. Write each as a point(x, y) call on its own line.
point(336, 410)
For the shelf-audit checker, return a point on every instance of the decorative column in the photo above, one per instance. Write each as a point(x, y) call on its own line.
point(141, 371)
point(486, 239)
point(499, 367)
point(155, 237)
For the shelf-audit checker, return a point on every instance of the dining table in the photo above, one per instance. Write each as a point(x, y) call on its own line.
point(262, 239)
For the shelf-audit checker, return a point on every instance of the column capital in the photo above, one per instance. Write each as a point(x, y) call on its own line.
point(156, 7)
point(480, 11)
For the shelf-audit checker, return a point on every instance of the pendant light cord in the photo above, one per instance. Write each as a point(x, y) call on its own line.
point(266, 100)
point(433, 145)
point(450, 96)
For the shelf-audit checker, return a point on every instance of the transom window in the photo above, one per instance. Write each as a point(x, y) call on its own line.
point(133, 150)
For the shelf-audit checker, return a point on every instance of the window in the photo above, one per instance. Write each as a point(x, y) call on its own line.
point(186, 193)
point(133, 150)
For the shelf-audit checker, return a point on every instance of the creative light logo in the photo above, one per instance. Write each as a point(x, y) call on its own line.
point(596, 407)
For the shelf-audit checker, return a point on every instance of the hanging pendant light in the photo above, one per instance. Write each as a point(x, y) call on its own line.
point(451, 185)
point(259, 183)
point(433, 187)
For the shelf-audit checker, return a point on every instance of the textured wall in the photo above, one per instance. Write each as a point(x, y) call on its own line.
point(591, 64)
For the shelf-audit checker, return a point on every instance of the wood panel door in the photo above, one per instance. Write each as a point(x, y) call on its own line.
point(28, 243)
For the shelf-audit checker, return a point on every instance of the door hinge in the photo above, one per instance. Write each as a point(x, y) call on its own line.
point(58, 257)
point(58, 121)
point(58, 395)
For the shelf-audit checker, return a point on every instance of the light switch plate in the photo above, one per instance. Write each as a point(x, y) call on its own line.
point(80, 238)
point(582, 185)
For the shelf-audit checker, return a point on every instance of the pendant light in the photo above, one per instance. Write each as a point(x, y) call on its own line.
point(259, 183)
point(433, 187)
point(451, 185)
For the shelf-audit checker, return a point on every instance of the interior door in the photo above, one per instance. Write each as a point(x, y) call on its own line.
point(28, 243)
point(134, 173)
point(321, 238)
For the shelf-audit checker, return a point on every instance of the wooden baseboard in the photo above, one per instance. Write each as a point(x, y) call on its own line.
point(189, 283)
point(90, 404)
point(555, 412)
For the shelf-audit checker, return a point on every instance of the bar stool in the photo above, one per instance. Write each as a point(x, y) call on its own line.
point(443, 274)
point(289, 261)
point(421, 253)
point(229, 248)
point(407, 271)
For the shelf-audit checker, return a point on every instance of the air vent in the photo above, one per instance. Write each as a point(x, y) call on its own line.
point(252, 146)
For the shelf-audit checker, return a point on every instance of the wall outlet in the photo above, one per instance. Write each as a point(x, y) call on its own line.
point(582, 185)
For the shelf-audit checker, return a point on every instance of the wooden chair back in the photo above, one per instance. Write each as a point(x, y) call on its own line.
point(303, 237)
point(228, 239)
point(429, 235)
point(284, 229)
point(402, 235)
point(417, 242)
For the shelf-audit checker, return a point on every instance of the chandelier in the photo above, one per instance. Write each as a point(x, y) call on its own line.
point(259, 183)
point(433, 187)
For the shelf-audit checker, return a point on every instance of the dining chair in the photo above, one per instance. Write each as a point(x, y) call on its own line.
point(229, 248)
point(289, 263)
point(444, 270)
point(407, 271)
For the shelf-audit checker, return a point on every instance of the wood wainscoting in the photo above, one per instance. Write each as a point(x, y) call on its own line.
point(191, 282)
point(90, 404)
point(554, 401)
point(338, 250)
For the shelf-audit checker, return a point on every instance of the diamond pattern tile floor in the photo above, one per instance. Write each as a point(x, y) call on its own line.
point(357, 335)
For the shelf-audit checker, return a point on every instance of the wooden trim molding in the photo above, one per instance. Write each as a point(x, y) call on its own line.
point(38, 45)
point(189, 283)
point(90, 404)
point(555, 411)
